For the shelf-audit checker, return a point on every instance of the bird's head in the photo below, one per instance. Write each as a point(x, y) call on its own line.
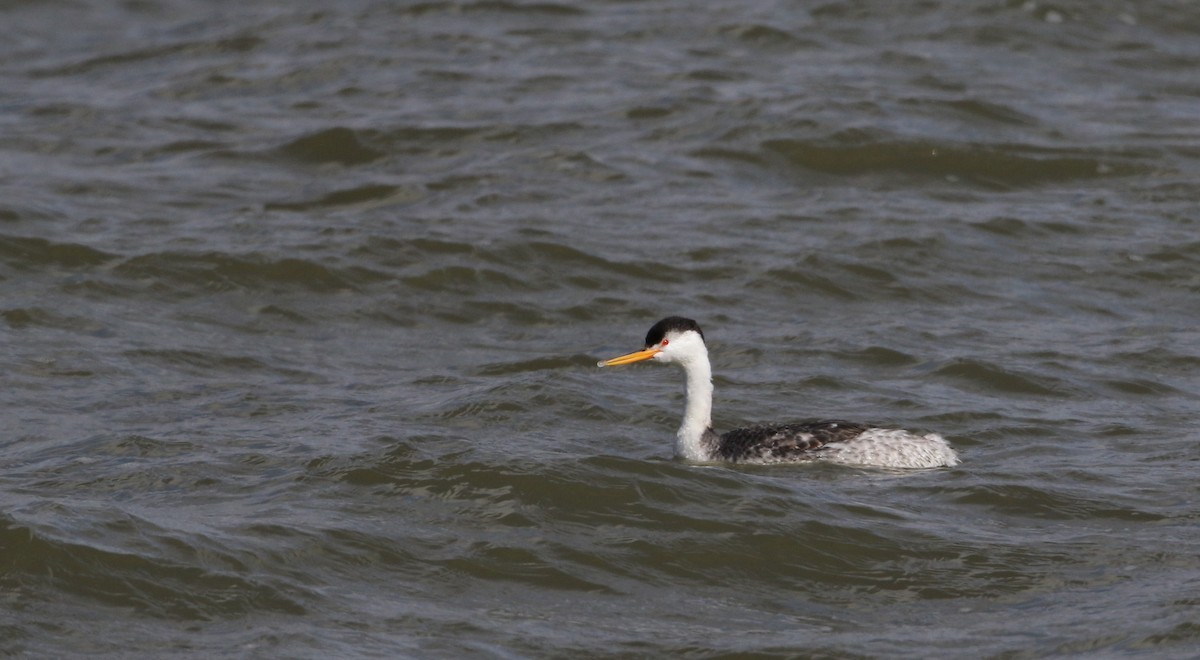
point(673, 339)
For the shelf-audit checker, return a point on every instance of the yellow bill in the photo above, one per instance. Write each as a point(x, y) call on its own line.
point(630, 358)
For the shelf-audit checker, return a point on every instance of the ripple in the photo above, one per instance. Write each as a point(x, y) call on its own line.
point(1050, 502)
point(535, 365)
point(38, 317)
point(358, 195)
point(768, 36)
point(197, 273)
point(464, 279)
point(986, 376)
point(143, 582)
point(212, 362)
point(28, 253)
point(879, 355)
point(987, 165)
point(333, 145)
point(498, 7)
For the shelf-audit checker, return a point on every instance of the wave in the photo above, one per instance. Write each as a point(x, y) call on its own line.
point(1004, 166)
point(172, 576)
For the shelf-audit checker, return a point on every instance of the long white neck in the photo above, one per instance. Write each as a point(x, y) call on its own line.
point(697, 414)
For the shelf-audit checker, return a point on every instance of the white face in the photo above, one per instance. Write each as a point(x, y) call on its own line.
point(679, 347)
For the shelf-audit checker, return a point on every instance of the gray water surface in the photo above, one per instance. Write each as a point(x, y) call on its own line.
point(302, 303)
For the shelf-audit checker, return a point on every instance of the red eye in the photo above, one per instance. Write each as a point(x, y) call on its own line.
point(664, 342)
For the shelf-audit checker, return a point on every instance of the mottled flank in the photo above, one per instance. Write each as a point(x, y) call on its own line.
point(894, 448)
point(835, 441)
point(785, 442)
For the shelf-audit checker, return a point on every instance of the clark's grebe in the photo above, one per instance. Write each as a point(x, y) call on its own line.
point(680, 341)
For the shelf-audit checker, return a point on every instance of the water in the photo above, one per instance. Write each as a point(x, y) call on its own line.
point(301, 307)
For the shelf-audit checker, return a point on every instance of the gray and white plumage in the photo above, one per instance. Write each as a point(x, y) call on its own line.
point(678, 340)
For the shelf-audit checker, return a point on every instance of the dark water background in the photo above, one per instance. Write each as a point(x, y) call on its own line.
point(301, 303)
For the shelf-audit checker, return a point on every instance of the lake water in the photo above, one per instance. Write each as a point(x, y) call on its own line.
point(302, 303)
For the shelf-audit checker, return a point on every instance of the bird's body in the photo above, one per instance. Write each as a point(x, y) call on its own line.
point(680, 341)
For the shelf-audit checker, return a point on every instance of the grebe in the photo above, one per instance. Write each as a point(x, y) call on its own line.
point(680, 341)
